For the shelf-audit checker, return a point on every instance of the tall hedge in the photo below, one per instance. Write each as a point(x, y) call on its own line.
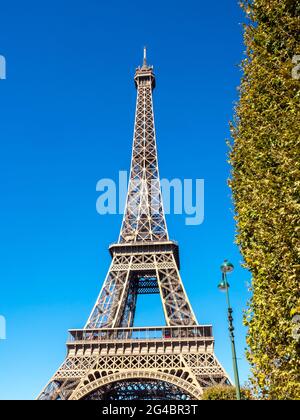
point(265, 182)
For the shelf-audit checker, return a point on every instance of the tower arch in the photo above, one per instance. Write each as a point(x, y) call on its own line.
point(184, 388)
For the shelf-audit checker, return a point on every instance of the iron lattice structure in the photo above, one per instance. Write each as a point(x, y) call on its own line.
point(110, 359)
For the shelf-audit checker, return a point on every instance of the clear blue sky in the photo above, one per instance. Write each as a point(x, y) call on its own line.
point(67, 110)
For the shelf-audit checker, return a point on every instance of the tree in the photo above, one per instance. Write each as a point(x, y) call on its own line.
point(265, 182)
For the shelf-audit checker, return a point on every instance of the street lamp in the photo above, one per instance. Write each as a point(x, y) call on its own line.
point(227, 267)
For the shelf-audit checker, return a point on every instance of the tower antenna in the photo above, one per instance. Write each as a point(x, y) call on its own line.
point(145, 57)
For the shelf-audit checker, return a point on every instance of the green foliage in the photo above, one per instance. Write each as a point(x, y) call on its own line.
point(265, 159)
point(224, 393)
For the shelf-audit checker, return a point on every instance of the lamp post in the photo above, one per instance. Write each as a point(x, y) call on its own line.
point(227, 267)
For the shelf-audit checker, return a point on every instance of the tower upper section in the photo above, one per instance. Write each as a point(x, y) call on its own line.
point(144, 218)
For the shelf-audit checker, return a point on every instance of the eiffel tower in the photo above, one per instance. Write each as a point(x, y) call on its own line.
point(110, 359)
